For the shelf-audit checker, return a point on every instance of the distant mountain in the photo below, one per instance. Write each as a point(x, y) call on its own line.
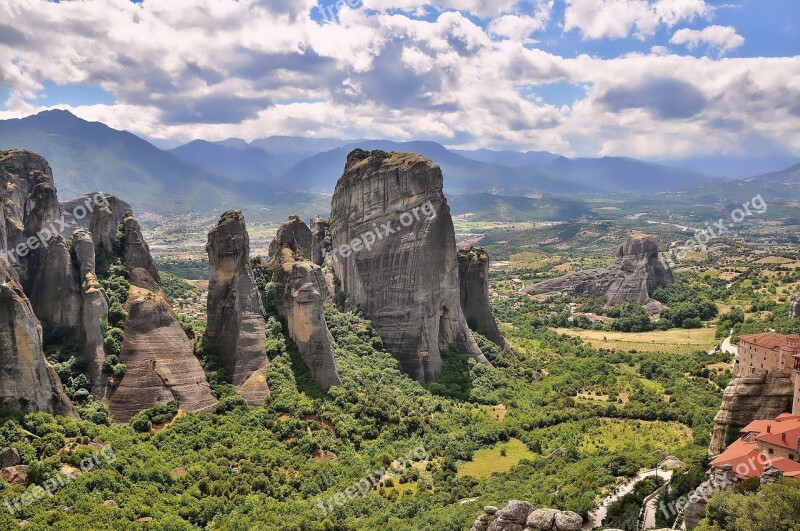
point(513, 159)
point(287, 151)
point(240, 161)
point(90, 156)
point(774, 186)
point(461, 174)
point(621, 175)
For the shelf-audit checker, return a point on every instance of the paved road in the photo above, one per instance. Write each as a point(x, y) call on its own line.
point(727, 346)
point(597, 515)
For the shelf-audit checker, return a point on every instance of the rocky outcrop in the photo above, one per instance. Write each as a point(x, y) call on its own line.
point(751, 396)
point(20, 173)
point(294, 233)
point(722, 478)
point(637, 270)
point(521, 516)
point(135, 251)
point(320, 229)
point(93, 310)
point(300, 292)
point(159, 358)
point(473, 272)
point(236, 327)
point(794, 308)
point(402, 270)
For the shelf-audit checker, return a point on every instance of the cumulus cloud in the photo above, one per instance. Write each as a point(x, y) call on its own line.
point(180, 70)
point(615, 19)
point(721, 39)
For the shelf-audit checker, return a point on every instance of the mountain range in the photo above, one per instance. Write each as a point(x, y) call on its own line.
point(282, 174)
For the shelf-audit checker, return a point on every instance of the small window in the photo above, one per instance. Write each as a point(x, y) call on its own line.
point(771, 451)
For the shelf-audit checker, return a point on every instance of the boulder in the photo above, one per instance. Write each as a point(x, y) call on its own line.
point(544, 519)
point(637, 270)
point(771, 475)
point(16, 475)
point(473, 273)
point(403, 269)
point(751, 396)
point(9, 457)
point(236, 326)
point(300, 292)
point(159, 358)
point(568, 521)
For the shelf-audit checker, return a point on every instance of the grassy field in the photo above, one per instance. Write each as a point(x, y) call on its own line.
point(677, 341)
point(486, 462)
point(615, 435)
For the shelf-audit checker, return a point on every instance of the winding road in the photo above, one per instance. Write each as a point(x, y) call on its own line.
point(597, 515)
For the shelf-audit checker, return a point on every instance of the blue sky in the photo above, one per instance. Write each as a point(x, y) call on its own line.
point(657, 79)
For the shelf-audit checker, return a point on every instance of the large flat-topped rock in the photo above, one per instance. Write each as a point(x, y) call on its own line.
point(404, 272)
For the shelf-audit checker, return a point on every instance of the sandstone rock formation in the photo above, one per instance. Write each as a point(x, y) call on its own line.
point(637, 270)
point(236, 326)
point(320, 229)
point(20, 172)
point(473, 272)
point(295, 233)
point(27, 382)
point(794, 309)
point(723, 478)
point(300, 293)
point(521, 516)
point(748, 397)
point(403, 271)
point(135, 251)
point(94, 307)
point(158, 356)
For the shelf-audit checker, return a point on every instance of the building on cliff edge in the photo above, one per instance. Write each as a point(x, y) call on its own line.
point(771, 352)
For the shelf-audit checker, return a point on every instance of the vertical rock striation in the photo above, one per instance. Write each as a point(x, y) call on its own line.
point(135, 251)
point(236, 327)
point(794, 308)
point(160, 363)
point(751, 396)
point(473, 272)
point(294, 233)
point(404, 274)
point(300, 292)
point(320, 228)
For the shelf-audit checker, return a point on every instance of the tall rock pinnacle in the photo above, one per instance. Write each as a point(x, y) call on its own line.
point(473, 270)
point(402, 270)
point(236, 326)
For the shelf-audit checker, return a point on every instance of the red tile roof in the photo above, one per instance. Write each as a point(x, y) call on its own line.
point(749, 458)
point(789, 468)
point(768, 340)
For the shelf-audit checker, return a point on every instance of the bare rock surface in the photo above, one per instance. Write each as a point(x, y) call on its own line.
point(236, 326)
point(637, 270)
point(522, 516)
point(301, 291)
point(473, 272)
point(135, 251)
point(294, 233)
point(748, 397)
point(320, 229)
point(160, 362)
point(406, 280)
point(794, 309)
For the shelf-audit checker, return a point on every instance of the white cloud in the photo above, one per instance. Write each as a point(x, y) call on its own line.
point(520, 27)
point(246, 69)
point(615, 19)
point(719, 38)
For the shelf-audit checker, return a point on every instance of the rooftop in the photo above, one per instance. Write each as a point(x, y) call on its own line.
point(769, 340)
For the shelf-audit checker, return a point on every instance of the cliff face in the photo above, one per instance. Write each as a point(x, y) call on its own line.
point(637, 270)
point(320, 228)
point(794, 309)
point(236, 326)
point(473, 272)
point(301, 291)
point(158, 356)
point(294, 233)
point(27, 382)
point(748, 397)
point(135, 251)
point(404, 276)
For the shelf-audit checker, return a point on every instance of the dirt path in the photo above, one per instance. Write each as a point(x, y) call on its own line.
point(597, 515)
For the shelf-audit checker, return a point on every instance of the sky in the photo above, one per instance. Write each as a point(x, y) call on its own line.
point(654, 79)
